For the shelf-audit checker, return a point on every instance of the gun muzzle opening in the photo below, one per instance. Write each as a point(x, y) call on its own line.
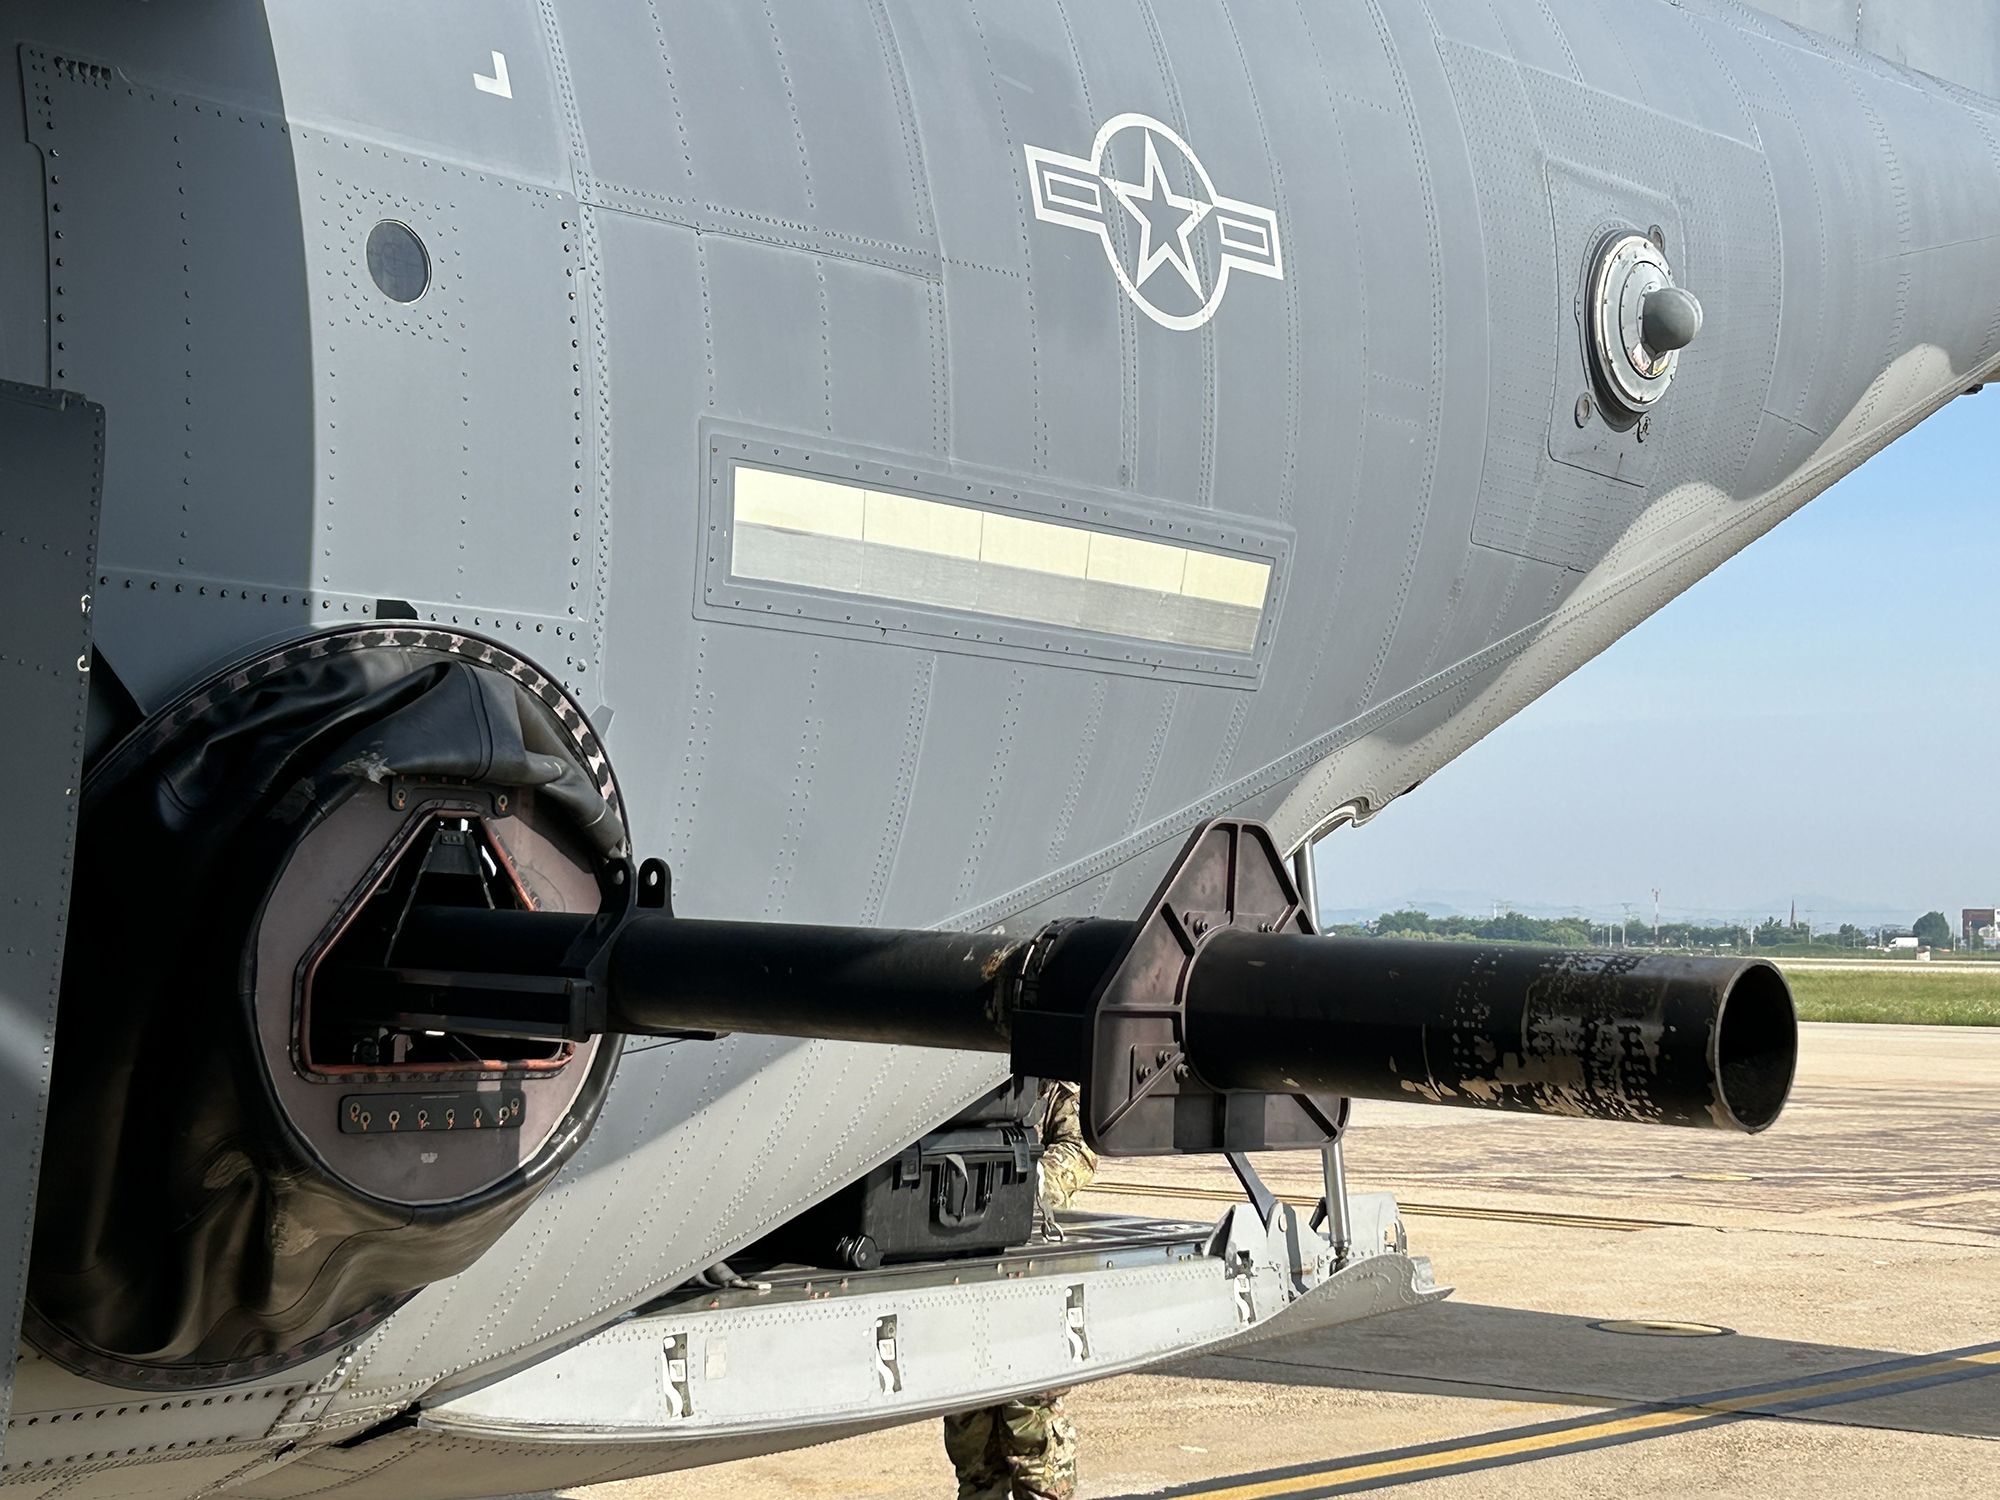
point(1756, 1048)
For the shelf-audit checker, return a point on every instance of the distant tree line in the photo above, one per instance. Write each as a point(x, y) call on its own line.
point(1580, 932)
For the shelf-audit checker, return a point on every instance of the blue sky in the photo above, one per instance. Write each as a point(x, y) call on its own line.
point(1817, 720)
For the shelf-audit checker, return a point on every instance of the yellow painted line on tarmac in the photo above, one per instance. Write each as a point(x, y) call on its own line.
point(1406, 1468)
point(1518, 1445)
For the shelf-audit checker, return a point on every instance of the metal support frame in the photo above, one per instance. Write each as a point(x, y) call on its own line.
point(1307, 880)
point(1261, 1196)
point(1334, 1209)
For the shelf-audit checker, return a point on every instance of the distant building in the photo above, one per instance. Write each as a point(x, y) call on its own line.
point(1978, 922)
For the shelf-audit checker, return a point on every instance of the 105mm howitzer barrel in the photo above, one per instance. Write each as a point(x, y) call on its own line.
point(1654, 1039)
point(1198, 1025)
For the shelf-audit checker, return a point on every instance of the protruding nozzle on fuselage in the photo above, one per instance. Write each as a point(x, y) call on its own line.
point(1670, 319)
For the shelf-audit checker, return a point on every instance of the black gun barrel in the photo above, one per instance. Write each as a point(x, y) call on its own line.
point(1651, 1038)
point(1655, 1038)
point(853, 984)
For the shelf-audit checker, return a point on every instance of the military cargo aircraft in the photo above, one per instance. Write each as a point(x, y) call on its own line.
point(618, 616)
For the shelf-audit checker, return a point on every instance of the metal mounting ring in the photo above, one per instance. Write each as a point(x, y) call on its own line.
point(1631, 377)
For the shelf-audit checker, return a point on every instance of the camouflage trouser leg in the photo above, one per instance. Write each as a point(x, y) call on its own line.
point(1020, 1450)
point(969, 1444)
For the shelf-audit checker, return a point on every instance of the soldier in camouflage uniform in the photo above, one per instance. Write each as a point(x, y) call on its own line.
point(1025, 1449)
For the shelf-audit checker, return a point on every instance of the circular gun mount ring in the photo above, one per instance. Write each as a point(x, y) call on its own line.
point(1636, 323)
point(257, 1168)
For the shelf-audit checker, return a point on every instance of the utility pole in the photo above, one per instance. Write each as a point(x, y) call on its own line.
point(1656, 916)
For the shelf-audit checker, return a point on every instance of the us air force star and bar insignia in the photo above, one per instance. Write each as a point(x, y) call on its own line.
point(1169, 279)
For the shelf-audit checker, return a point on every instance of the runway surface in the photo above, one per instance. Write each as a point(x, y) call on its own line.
point(1842, 1272)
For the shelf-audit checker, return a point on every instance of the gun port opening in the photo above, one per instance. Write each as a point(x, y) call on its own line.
point(1756, 1047)
point(450, 863)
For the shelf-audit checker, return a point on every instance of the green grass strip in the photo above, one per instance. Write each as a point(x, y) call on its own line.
point(1923, 998)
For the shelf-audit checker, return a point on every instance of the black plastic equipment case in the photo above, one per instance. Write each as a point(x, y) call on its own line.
point(965, 1189)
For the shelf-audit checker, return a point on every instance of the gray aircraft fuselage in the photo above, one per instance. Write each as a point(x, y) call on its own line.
point(951, 450)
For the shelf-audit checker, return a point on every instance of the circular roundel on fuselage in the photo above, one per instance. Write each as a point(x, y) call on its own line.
point(398, 262)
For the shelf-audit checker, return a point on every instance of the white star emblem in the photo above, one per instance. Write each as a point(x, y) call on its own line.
point(1238, 236)
point(1173, 247)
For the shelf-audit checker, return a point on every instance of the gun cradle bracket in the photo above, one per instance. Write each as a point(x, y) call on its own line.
point(1128, 1046)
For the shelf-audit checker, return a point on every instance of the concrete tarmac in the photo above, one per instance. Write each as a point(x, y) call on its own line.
point(1842, 1272)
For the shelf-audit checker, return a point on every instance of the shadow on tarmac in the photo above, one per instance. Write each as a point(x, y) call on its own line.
point(1464, 1349)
